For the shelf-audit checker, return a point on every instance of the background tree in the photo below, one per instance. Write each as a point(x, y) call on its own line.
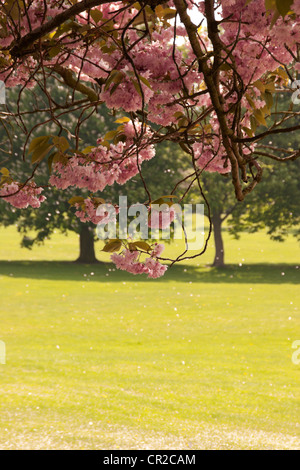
point(222, 203)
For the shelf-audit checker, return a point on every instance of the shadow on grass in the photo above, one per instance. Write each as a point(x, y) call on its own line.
point(70, 271)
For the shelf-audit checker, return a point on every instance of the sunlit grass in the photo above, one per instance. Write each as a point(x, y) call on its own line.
point(98, 358)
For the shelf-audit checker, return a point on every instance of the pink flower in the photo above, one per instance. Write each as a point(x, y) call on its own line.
point(127, 261)
point(207, 160)
point(155, 268)
point(29, 195)
point(104, 166)
point(158, 249)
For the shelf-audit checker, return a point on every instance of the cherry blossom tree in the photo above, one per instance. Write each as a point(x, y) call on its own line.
point(202, 74)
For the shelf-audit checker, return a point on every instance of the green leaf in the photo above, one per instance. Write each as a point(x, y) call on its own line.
point(88, 149)
point(253, 123)
point(171, 196)
point(54, 51)
point(145, 81)
point(270, 87)
point(4, 171)
point(158, 201)
point(50, 161)
point(284, 6)
point(96, 15)
point(108, 50)
point(250, 101)
point(225, 67)
point(112, 245)
point(268, 98)
point(163, 200)
point(141, 245)
point(183, 123)
point(275, 18)
point(137, 87)
point(120, 138)
point(282, 73)
point(169, 13)
point(64, 28)
point(270, 5)
point(122, 120)
point(98, 200)
point(259, 85)
point(61, 143)
point(166, 13)
point(248, 131)
point(114, 87)
point(60, 157)
point(76, 200)
point(110, 135)
point(185, 148)
point(38, 141)
point(115, 76)
point(178, 114)
point(41, 151)
point(259, 116)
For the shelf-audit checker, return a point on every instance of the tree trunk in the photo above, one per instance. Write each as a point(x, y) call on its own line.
point(219, 246)
point(87, 249)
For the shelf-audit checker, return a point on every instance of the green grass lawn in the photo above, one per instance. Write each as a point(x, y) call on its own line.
point(100, 359)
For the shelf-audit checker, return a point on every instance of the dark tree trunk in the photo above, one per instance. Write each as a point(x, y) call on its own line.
point(219, 246)
point(87, 248)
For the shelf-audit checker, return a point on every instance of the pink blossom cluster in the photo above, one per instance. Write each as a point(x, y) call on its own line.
point(21, 71)
point(209, 160)
point(162, 73)
point(127, 261)
point(104, 166)
point(259, 47)
point(157, 250)
point(29, 195)
point(247, 28)
point(154, 58)
point(87, 212)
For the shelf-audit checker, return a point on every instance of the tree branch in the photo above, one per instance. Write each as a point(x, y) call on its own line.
point(19, 49)
point(290, 158)
point(264, 134)
point(211, 81)
point(73, 83)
